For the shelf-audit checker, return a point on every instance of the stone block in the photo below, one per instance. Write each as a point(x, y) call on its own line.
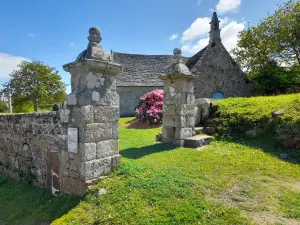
point(71, 99)
point(107, 148)
point(73, 186)
point(168, 109)
point(116, 161)
point(168, 133)
point(197, 141)
point(95, 168)
point(180, 121)
point(96, 132)
point(190, 98)
point(106, 114)
point(64, 115)
point(169, 121)
point(184, 133)
point(190, 121)
point(95, 96)
point(109, 98)
point(87, 113)
point(115, 130)
point(84, 98)
point(88, 151)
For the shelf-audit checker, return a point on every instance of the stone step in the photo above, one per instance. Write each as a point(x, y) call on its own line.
point(199, 130)
point(209, 130)
point(197, 141)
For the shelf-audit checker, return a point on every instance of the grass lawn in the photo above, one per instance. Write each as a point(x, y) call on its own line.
point(241, 181)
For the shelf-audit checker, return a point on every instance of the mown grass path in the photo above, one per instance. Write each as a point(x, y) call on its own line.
point(229, 182)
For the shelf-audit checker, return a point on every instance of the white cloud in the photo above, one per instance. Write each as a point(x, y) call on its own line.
point(71, 44)
point(31, 35)
point(173, 37)
point(190, 49)
point(200, 27)
point(8, 63)
point(229, 35)
point(225, 6)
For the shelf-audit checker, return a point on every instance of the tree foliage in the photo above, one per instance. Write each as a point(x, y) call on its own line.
point(3, 107)
point(272, 79)
point(275, 38)
point(35, 84)
point(270, 52)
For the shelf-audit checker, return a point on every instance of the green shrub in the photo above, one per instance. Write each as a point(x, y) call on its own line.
point(3, 107)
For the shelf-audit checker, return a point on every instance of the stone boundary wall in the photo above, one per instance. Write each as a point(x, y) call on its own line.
point(30, 146)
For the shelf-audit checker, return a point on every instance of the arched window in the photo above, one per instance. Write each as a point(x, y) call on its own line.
point(217, 95)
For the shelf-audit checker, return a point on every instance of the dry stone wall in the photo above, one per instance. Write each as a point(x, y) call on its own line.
point(30, 145)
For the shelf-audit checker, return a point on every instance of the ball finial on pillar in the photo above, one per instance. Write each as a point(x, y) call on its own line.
point(94, 35)
point(177, 51)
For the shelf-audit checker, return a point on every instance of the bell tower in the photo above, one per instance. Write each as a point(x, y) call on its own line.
point(215, 32)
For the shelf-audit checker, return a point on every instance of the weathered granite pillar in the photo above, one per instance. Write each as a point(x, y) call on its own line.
point(179, 102)
point(92, 108)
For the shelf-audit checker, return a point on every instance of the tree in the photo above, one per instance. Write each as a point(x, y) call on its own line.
point(36, 84)
point(272, 79)
point(275, 38)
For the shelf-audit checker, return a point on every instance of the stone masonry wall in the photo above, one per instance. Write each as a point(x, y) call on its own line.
point(30, 146)
point(218, 72)
point(129, 97)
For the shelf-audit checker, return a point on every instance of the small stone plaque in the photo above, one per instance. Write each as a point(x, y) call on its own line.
point(72, 139)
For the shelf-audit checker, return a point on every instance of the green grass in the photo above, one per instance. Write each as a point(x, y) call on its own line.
point(233, 181)
point(22, 204)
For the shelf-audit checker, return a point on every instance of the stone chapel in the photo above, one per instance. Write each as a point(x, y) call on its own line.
point(218, 74)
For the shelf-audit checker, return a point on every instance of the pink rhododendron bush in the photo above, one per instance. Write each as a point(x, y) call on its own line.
point(149, 108)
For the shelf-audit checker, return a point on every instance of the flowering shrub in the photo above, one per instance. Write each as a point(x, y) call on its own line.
point(149, 108)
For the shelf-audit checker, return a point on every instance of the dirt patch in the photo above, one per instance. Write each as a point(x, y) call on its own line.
point(254, 206)
point(267, 218)
point(136, 124)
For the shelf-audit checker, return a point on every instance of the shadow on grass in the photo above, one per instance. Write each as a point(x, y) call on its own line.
point(135, 153)
point(23, 204)
point(270, 146)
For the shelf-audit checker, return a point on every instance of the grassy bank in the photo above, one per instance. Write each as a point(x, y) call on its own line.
point(236, 115)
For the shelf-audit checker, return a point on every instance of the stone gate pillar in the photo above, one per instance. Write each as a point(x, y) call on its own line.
point(179, 102)
point(92, 110)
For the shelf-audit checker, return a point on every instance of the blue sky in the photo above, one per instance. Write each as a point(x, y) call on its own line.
point(55, 31)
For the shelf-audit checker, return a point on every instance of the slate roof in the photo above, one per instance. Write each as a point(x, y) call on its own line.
point(142, 70)
point(191, 62)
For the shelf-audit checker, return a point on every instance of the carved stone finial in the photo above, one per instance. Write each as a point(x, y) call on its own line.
point(94, 49)
point(177, 51)
point(177, 55)
point(94, 35)
point(178, 67)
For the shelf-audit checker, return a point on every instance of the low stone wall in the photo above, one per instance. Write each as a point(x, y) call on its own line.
point(30, 145)
point(202, 109)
